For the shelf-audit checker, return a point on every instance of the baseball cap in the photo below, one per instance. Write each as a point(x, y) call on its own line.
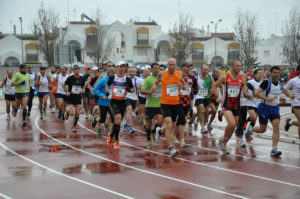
point(75, 66)
point(87, 68)
point(94, 68)
point(29, 66)
point(185, 64)
point(121, 63)
point(142, 68)
point(147, 67)
point(138, 66)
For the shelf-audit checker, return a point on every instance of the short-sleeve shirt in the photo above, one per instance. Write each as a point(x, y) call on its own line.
point(20, 77)
point(153, 100)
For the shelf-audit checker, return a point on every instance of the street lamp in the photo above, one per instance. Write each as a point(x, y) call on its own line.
point(216, 24)
point(21, 37)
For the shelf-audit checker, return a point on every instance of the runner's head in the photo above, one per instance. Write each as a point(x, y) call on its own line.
point(43, 70)
point(162, 68)
point(87, 70)
point(258, 74)
point(95, 71)
point(9, 72)
point(172, 65)
point(111, 71)
point(216, 73)
point(204, 70)
point(53, 69)
point(185, 68)
point(132, 72)
point(121, 68)
point(275, 73)
point(146, 71)
point(76, 70)
point(23, 68)
point(58, 69)
point(155, 69)
point(63, 70)
point(29, 68)
point(236, 67)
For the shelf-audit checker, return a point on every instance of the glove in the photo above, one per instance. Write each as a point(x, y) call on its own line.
point(195, 91)
point(128, 89)
point(22, 83)
point(107, 94)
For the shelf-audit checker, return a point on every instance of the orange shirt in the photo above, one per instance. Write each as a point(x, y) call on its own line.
point(169, 88)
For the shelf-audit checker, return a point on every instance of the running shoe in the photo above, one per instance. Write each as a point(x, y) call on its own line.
point(173, 152)
point(131, 131)
point(99, 132)
point(125, 126)
point(41, 116)
point(220, 116)
point(203, 130)
point(195, 125)
point(149, 144)
point(287, 124)
point(44, 112)
point(24, 124)
point(8, 117)
point(222, 145)
point(209, 127)
point(182, 144)
point(94, 122)
point(157, 134)
point(109, 142)
point(116, 144)
point(62, 117)
point(248, 134)
point(275, 152)
point(242, 143)
point(74, 130)
point(67, 115)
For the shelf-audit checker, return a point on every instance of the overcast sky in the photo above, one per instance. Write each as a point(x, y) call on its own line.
point(270, 13)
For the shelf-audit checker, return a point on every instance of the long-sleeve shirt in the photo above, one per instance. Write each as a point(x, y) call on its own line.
point(100, 90)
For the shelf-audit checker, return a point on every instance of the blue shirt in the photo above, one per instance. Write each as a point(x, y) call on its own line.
point(100, 90)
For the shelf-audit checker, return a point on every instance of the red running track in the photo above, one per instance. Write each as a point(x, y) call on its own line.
point(46, 160)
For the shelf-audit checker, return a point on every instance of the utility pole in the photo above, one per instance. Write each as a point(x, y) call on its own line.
point(21, 38)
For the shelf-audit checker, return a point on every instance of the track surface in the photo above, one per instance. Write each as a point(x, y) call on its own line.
point(46, 160)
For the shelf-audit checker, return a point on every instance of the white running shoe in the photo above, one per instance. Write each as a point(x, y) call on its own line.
point(8, 117)
point(182, 144)
point(157, 136)
point(173, 152)
point(242, 143)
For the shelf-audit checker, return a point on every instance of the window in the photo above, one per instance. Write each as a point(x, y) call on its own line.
point(142, 51)
point(233, 53)
point(142, 38)
point(198, 54)
point(31, 55)
point(266, 53)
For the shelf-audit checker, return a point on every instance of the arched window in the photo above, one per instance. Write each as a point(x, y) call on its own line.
point(31, 53)
point(142, 36)
point(233, 52)
point(198, 52)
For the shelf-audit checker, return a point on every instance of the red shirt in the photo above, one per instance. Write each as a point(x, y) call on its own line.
point(294, 74)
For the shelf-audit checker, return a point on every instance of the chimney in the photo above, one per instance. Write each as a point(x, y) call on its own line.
point(15, 31)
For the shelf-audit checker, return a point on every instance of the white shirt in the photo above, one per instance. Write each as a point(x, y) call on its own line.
point(140, 83)
point(294, 85)
point(255, 100)
point(133, 96)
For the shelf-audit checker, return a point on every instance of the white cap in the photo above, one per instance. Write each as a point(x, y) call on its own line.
point(121, 63)
point(142, 68)
point(95, 68)
point(147, 67)
point(138, 66)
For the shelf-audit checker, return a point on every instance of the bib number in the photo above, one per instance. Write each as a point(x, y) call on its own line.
point(119, 91)
point(76, 90)
point(203, 92)
point(25, 86)
point(10, 90)
point(172, 90)
point(233, 91)
point(187, 91)
point(43, 87)
point(157, 92)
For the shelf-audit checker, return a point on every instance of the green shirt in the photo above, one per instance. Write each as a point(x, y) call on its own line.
point(18, 78)
point(153, 101)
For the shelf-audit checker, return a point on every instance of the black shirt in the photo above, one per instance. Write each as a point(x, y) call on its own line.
point(85, 78)
point(265, 84)
point(74, 84)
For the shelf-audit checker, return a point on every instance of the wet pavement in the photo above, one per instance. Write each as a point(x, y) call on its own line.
point(46, 160)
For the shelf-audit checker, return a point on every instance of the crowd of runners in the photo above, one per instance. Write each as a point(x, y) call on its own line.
point(165, 99)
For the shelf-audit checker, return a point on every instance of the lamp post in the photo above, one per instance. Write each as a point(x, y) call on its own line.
point(216, 24)
point(21, 37)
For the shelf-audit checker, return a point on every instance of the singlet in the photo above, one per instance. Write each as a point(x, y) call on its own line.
point(9, 89)
point(232, 91)
point(169, 88)
point(44, 84)
point(60, 82)
point(118, 87)
point(294, 84)
point(205, 86)
point(255, 101)
point(32, 79)
point(272, 91)
point(133, 96)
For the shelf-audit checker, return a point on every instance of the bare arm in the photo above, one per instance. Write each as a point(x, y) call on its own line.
point(155, 85)
point(287, 93)
point(259, 95)
point(3, 82)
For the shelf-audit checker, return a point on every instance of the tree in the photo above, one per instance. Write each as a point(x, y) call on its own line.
point(101, 48)
point(181, 39)
point(245, 28)
point(291, 40)
point(46, 27)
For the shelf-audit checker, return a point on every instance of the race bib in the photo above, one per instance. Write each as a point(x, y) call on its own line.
point(110, 93)
point(43, 87)
point(119, 91)
point(233, 91)
point(25, 86)
point(276, 99)
point(157, 92)
point(9, 90)
point(76, 90)
point(187, 91)
point(172, 90)
point(203, 92)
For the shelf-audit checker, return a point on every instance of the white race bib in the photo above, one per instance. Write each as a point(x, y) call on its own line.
point(276, 99)
point(157, 92)
point(187, 91)
point(43, 87)
point(24, 86)
point(233, 91)
point(119, 91)
point(203, 92)
point(9, 90)
point(172, 90)
point(76, 90)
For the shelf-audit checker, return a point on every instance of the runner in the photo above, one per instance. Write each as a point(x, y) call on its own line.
point(253, 101)
point(234, 84)
point(120, 84)
point(206, 84)
point(103, 102)
point(61, 94)
point(131, 101)
point(87, 99)
point(171, 81)
point(51, 94)
point(58, 71)
point(294, 84)
point(43, 83)
point(32, 88)
point(141, 97)
point(268, 109)
point(75, 84)
point(185, 100)
point(9, 92)
point(21, 81)
point(152, 105)
point(93, 108)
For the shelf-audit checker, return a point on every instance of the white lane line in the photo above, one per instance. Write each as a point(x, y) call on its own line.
point(202, 164)
point(209, 149)
point(5, 196)
point(64, 175)
point(137, 169)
